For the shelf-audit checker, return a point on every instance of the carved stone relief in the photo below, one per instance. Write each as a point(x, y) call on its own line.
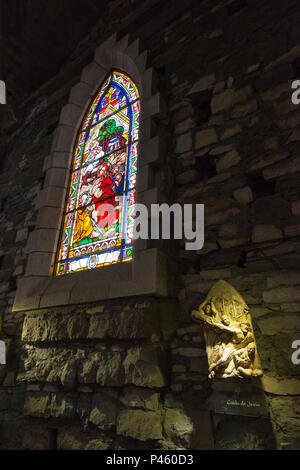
point(230, 344)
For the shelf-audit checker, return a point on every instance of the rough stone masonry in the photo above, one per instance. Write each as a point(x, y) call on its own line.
point(132, 373)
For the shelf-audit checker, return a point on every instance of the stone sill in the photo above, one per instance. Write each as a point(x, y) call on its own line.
point(145, 275)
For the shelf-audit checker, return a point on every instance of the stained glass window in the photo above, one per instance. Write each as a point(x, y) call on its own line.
point(98, 218)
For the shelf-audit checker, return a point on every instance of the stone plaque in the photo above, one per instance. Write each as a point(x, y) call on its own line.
point(241, 404)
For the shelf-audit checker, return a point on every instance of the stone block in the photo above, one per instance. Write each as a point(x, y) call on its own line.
point(37, 405)
point(71, 115)
point(278, 386)
point(133, 49)
point(43, 327)
point(110, 371)
point(38, 439)
point(205, 137)
point(185, 126)
point(151, 151)
point(271, 143)
point(219, 86)
point(176, 388)
point(29, 292)
point(57, 177)
point(148, 130)
point(49, 218)
point(199, 365)
point(230, 159)
point(230, 132)
point(253, 68)
point(105, 368)
point(68, 375)
point(151, 196)
point(58, 291)
point(222, 101)
point(4, 287)
point(282, 168)
point(243, 195)
point(152, 107)
point(18, 271)
point(43, 365)
point(144, 367)
point(122, 44)
point(42, 240)
point(149, 83)
point(84, 403)
point(103, 412)
point(262, 233)
point(139, 424)
point(5, 400)
point(59, 160)
point(80, 94)
point(140, 398)
point(22, 235)
point(141, 61)
point(283, 279)
point(204, 83)
point(103, 57)
point(285, 324)
point(178, 426)
point(77, 326)
point(221, 149)
point(275, 92)
point(286, 58)
point(134, 325)
point(93, 75)
point(87, 369)
point(64, 137)
point(9, 380)
point(97, 444)
point(242, 110)
point(124, 62)
point(145, 178)
point(177, 368)
point(70, 440)
point(188, 329)
point(51, 196)
point(184, 143)
point(99, 325)
point(40, 264)
point(285, 413)
point(62, 406)
point(229, 98)
point(190, 352)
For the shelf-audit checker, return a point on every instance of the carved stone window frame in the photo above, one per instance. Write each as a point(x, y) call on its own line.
point(146, 273)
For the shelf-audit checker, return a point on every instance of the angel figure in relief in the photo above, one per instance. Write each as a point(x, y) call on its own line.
point(228, 332)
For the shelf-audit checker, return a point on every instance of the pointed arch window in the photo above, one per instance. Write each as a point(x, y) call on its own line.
point(98, 215)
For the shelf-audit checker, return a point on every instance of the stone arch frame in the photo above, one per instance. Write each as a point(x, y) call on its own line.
point(146, 274)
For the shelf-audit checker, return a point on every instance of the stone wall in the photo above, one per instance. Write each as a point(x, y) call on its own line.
point(133, 374)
